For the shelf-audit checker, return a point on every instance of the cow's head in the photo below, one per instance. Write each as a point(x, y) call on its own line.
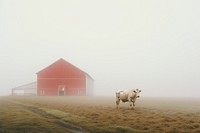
point(137, 92)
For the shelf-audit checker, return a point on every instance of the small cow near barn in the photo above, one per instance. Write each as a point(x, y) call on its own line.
point(127, 96)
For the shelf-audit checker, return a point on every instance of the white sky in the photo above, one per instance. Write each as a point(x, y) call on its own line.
point(150, 44)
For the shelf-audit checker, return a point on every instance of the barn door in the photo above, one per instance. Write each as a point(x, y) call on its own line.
point(61, 90)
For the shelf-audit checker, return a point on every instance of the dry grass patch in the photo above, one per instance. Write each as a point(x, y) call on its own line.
point(16, 119)
point(98, 114)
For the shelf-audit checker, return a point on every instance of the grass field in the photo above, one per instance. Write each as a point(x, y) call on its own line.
point(98, 115)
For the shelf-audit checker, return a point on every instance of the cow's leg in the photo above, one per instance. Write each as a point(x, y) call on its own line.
point(131, 105)
point(117, 102)
point(130, 102)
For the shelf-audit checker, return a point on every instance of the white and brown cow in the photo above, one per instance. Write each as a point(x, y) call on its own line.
point(127, 96)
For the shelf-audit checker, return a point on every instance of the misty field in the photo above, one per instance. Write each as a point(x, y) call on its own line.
point(98, 115)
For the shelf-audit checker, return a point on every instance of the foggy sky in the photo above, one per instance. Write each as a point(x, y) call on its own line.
point(149, 44)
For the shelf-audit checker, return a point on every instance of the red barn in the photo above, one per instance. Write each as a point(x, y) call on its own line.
point(64, 79)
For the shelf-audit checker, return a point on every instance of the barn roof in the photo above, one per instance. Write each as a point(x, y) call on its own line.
point(62, 60)
point(32, 85)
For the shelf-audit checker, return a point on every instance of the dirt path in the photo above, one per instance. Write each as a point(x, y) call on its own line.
point(63, 126)
point(70, 127)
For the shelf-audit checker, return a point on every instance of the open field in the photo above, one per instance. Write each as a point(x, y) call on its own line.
point(98, 115)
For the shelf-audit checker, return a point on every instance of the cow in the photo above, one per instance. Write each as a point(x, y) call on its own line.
point(127, 96)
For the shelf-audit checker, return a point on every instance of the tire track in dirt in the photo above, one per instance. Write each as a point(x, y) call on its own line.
point(66, 125)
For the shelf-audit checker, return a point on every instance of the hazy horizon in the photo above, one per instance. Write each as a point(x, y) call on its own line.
point(152, 45)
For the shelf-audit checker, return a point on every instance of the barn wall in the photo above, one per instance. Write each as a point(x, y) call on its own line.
point(61, 69)
point(51, 86)
point(89, 86)
point(31, 91)
point(17, 92)
point(62, 78)
point(27, 89)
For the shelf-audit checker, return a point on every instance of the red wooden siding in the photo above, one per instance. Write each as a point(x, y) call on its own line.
point(61, 78)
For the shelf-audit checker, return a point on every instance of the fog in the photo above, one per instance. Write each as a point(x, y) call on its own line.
point(148, 44)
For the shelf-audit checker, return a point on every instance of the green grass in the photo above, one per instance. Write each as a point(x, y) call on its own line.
point(123, 129)
point(69, 117)
point(63, 115)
